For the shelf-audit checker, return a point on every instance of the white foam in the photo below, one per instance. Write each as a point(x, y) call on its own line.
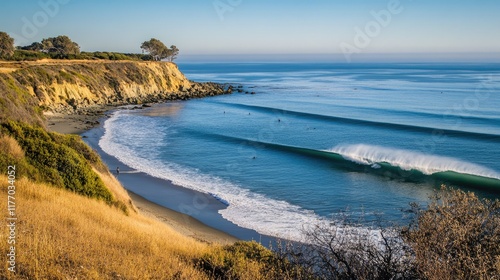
point(246, 209)
point(408, 160)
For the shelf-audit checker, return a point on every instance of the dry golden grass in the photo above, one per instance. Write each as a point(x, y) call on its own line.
point(61, 235)
point(119, 193)
point(9, 66)
point(9, 146)
point(7, 70)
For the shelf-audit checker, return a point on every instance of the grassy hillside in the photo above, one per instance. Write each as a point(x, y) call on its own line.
point(63, 161)
point(62, 235)
point(16, 103)
point(75, 220)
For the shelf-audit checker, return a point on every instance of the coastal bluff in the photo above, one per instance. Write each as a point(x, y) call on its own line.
point(69, 86)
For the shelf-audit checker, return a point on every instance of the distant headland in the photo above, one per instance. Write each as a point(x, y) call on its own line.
point(54, 76)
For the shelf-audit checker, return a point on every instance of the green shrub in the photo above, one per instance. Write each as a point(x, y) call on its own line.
point(74, 142)
point(25, 55)
point(31, 55)
point(250, 260)
point(232, 261)
point(63, 161)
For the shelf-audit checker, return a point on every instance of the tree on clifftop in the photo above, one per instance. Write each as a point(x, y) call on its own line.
point(155, 48)
point(173, 52)
point(61, 45)
point(6, 45)
point(159, 51)
point(35, 46)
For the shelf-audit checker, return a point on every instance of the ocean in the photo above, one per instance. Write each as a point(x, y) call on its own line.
point(302, 143)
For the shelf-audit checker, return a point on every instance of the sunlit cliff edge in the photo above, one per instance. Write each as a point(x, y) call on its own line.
point(65, 86)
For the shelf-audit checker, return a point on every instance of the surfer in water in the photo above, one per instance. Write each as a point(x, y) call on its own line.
point(117, 170)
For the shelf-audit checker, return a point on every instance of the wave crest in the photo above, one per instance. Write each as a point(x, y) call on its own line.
point(410, 160)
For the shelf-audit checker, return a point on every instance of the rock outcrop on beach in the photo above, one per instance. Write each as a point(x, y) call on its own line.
point(70, 86)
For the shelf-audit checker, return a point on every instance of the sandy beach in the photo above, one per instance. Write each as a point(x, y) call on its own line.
point(75, 123)
point(182, 223)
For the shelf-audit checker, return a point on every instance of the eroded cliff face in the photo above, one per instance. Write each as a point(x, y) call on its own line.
point(62, 86)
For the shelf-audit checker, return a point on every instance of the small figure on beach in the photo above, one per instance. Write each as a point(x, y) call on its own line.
point(117, 170)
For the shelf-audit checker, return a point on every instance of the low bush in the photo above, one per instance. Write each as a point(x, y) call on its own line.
point(26, 55)
point(456, 237)
point(251, 260)
point(31, 55)
point(60, 160)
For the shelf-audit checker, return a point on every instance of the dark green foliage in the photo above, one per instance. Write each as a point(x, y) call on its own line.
point(155, 48)
point(27, 55)
point(112, 56)
point(146, 57)
point(60, 46)
point(32, 55)
point(60, 160)
point(35, 46)
point(75, 143)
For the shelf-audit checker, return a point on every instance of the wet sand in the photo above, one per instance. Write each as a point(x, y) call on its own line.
point(180, 222)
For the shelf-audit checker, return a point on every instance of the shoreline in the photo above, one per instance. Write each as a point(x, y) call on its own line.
point(180, 222)
point(81, 121)
point(189, 212)
point(177, 221)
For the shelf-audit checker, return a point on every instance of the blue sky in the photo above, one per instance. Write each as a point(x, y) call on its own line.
point(354, 28)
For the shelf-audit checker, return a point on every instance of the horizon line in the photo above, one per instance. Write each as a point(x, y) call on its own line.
point(463, 57)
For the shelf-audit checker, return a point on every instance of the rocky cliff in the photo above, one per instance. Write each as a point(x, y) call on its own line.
point(66, 86)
